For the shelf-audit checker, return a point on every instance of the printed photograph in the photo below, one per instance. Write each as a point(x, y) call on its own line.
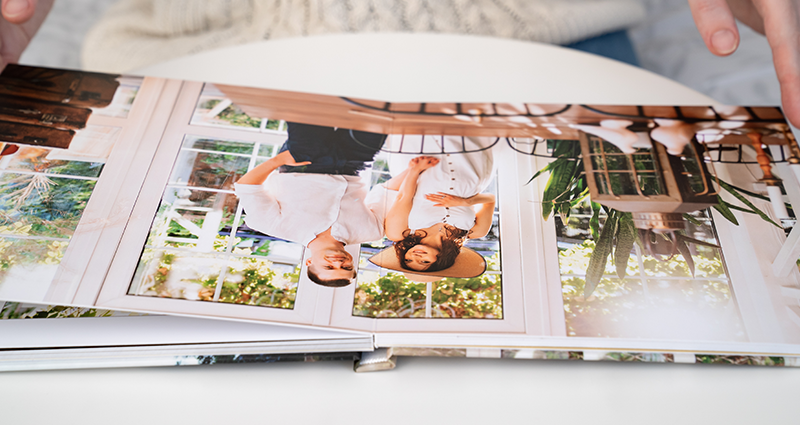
point(57, 130)
point(631, 191)
point(439, 256)
point(666, 223)
point(201, 246)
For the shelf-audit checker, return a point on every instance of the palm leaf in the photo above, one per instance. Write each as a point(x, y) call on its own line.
point(752, 194)
point(732, 190)
point(548, 167)
point(688, 239)
point(683, 249)
point(559, 182)
point(594, 222)
point(692, 219)
point(597, 263)
point(626, 236)
point(724, 209)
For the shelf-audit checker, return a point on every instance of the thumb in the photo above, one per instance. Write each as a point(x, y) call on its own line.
point(18, 11)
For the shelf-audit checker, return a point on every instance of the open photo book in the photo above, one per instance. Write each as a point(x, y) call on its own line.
point(503, 229)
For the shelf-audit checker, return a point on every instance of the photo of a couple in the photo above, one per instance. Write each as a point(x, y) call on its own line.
point(429, 207)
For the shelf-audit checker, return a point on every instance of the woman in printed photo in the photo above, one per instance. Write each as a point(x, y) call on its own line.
point(433, 204)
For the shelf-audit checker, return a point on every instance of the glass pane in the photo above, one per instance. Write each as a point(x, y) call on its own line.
point(599, 315)
point(215, 109)
point(218, 145)
point(392, 295)
point(706, 260)
point(622, 184)
point(617, 162)
point(260, 282)
point(266, 150)
point(658, 297)
point(643, 161)
point(202, 169)
point(175, 274)
point(123, 98)
point(598, 163)
point(602, 184)
point(650, 184)
point(476, 298)
point(250, 242)
point(29, 262)
point(196, 219)
point(610, 148)
point(41, 205)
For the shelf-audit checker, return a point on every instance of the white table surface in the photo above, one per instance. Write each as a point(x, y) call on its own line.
point(419, 390)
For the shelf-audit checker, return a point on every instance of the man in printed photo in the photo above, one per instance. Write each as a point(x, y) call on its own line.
point(316, 197)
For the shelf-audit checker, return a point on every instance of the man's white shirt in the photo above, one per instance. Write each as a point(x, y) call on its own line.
point(299, 206)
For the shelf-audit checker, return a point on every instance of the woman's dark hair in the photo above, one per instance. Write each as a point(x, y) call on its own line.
point(451, 247)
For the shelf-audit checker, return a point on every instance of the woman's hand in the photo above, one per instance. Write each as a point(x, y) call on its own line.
point(442, 199)
point(285, 158)
point(422, 163)
point(20, 21)
point(259, 174)
point(779, 20)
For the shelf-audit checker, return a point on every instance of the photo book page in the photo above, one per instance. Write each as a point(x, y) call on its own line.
point(521, 226)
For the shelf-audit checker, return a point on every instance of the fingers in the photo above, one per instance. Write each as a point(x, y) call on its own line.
point(18, 11)
point(716, 24)
point(782, 28)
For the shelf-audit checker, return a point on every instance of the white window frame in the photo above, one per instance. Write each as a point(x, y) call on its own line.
point(102, 211)
point(513, 320)
point(114, 292)
point(748, 249)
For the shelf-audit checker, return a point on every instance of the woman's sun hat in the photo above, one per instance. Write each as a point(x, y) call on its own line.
point(468, 264)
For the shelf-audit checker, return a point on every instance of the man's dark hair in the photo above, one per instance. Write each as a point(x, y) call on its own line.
point(331, 283)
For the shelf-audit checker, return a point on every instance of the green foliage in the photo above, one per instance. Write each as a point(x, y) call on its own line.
point(626, 237)
point(250, 281)
point(52, 209)
point(736, 192)
point(566, 188)
point(394, 295)
point(11, 310)
point(745, 360)
point(621, 307)
point(600, 254)
point(390, 296)
point(567, 184)
point(234, 115)
point(258, 286)
point(27, 252)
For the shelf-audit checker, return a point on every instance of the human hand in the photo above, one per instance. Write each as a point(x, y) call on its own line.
point(286, 158)
point(442, 199)
point(779, 20)
point(422, 163)
point(20, 21)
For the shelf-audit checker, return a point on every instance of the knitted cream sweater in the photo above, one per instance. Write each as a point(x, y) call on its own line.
point(136, 33)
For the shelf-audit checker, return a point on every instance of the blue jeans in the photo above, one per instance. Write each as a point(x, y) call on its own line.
point(614, 45)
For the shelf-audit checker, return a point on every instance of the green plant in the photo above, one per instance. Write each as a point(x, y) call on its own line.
point(566, 188)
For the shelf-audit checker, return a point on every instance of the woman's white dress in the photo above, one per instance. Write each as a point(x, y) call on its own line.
point(459, 174)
